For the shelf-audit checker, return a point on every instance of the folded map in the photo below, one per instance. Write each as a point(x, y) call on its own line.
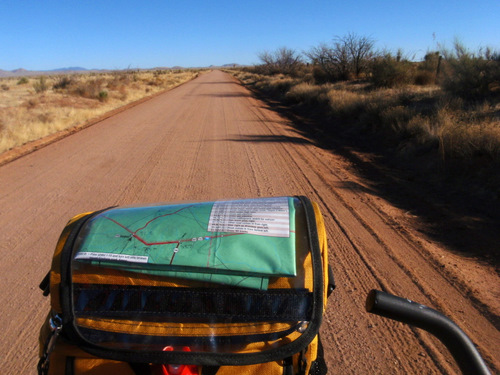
point(240, 242)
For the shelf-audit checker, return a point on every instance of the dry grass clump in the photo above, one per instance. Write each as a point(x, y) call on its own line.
point(416, 117)
point(276, 85)
point(343, 103)
point(32, 108)
point(475, 134)
point(307, 93)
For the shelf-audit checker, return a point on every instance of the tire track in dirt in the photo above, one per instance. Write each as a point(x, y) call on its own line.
point(353, 248)
point(307, 183)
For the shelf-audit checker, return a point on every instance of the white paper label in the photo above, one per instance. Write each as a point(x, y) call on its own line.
point(264, 217)
point(110, 256)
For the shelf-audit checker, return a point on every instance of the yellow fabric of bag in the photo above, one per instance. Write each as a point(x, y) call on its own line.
point(85, 363)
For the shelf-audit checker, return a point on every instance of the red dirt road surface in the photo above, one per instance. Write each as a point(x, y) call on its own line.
point(210, 139)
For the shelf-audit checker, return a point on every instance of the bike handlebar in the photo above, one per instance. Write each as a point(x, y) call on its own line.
point(403, 310)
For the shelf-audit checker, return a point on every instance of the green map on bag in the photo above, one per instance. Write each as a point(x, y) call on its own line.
point(242, 242)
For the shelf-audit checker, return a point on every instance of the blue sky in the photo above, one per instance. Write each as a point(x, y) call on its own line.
point(112, 34)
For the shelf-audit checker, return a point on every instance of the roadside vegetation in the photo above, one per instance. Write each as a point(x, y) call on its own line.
point(440, 116)
point(33, 107)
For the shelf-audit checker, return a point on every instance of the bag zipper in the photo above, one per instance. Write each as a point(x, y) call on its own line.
point(55, 324)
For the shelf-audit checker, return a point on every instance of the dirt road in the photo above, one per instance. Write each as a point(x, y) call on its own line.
point(210, 139)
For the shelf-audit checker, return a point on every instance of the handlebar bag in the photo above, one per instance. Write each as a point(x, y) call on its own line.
point(218, 287)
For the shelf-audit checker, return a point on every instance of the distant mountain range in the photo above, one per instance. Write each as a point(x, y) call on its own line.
point(23, 72)
point(77, 69)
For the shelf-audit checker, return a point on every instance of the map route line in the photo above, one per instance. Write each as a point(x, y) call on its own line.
point(137, 237)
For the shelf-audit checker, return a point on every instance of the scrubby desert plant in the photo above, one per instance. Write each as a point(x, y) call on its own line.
point(429, 69)
point(89, 88)
point(103, 95)
point(472, 75)
point(424, 78)
point(23, 81)
point(62, 83)
point(41, 85)
point(391, 71)
point(307, 93)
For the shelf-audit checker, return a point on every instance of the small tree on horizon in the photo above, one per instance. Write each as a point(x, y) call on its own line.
point(347, 57)
point(360, 50)
point(283, 60)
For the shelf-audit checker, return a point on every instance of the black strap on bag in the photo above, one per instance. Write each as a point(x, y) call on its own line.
point(209, 370)
point(140, 368)
point(45, 285)
point(318, 367)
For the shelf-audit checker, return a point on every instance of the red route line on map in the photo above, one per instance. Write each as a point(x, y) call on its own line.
point(134, 234)
point(178, 242)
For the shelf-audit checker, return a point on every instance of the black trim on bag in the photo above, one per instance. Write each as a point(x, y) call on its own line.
point(224, 305)
point(195, 358)
point(45, 285)
point(211, 342)
point(65, 287)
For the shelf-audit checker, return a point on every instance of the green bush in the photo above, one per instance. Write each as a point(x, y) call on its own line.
point(472, 76)
point(23, 81)
point(103, 95)
point(62, 83)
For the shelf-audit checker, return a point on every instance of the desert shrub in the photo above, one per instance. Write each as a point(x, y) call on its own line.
point(320, 75)
point(159, 72)
point(345, 104)
point(122, 93)
point(472, 76)
point(31, 103)
point(421, 128)
point(45, 117)
point(425, 78)
point(428, 70)
point(277, 85)
point(103, 95)
point(23, 81)
point(390, 71)
point(461, 141)
point(5, 87)
point(306, 93)
point(90, 89)
point(396, 118)
point(40, 85)
point(62, 83)
point(118, 81)
point(157, 81)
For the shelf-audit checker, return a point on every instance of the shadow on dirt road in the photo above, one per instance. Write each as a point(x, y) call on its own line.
point(440, 203)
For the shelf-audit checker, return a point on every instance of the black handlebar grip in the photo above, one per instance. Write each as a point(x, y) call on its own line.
point(403, 310)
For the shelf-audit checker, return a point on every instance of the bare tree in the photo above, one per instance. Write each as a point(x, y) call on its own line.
point(347, 57)
point(283, 60)
point(360, 50)
point(332, 61)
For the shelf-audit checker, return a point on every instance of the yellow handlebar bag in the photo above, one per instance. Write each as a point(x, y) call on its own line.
point(223, 287)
